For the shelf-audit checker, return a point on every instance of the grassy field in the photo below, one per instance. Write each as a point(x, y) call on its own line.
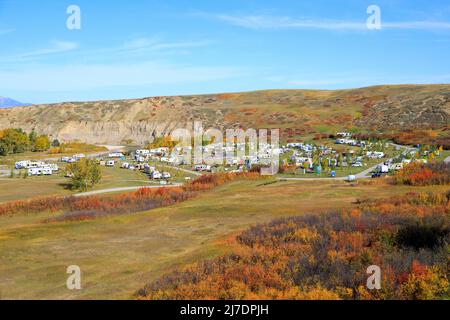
point(19, 188)
point(119, 254)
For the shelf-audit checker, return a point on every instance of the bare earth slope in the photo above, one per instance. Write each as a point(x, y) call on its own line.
point(296, 112)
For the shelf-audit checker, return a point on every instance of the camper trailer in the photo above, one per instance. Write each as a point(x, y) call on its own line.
point(40, 171)
point(203, 167)
point(116, 155)
point(156, 175)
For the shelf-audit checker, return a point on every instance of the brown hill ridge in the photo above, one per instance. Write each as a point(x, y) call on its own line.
point(297, 113)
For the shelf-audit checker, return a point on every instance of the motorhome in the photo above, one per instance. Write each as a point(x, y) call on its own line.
point(21, 164)
point(143, 152)
point(40, 171)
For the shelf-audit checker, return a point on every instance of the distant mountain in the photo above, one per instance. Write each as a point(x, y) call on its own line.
point(9, 103)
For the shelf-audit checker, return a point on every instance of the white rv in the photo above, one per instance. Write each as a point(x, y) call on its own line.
point(202, 167)
point(156, 175)
point(116, 155)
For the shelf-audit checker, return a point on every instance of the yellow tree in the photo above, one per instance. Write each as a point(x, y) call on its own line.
point(42, 143)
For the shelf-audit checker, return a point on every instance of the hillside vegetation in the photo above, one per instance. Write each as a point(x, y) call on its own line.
point(298, 113)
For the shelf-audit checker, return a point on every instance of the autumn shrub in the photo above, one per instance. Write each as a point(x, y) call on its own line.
point(419, 174)
point(326, 257)
point(210, 181)
point(82, 208)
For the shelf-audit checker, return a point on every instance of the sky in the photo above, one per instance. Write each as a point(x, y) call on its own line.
point(140, 48)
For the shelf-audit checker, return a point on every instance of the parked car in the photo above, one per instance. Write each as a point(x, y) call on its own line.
point(377, 175)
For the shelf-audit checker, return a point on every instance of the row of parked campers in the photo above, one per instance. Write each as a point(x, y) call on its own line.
point(73, 159)
point(128, 166)
point(37, 168)
point(155, 174)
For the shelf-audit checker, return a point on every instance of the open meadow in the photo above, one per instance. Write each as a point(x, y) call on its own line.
point(119, 254)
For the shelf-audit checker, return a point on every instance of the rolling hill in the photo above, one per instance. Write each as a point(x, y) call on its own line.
point(298, 113)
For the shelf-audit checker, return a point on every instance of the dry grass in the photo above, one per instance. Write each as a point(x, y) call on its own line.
point(119, 254)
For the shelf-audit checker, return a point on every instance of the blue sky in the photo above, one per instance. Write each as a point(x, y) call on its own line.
point(132, 49)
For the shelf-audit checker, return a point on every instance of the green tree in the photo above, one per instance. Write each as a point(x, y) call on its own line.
point(56, 143)
point(32, 137)
point(14, 141)
point(325, 165)
point(340, 160)
point(4, 149)
point(84, 174)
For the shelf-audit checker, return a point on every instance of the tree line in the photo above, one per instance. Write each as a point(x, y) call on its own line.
point(16, 140)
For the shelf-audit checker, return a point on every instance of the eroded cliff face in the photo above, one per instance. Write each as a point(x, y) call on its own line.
point(295, 112)
point(106, 122)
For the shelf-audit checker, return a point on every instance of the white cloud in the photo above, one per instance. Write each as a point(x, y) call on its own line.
point(155, 44)
point(420, 25)
point(55, 47)
point(267, 22)
point(276, 22)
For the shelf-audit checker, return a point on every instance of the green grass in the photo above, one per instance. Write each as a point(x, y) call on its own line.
point(19, 188)
point(119, 254)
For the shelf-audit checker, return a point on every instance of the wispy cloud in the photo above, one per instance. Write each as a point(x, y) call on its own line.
point(277, 22)
point(6, 31)
point(268, 22)
point(419, 25)
point(128, 49)
point(55, 47)
point(156, 44)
